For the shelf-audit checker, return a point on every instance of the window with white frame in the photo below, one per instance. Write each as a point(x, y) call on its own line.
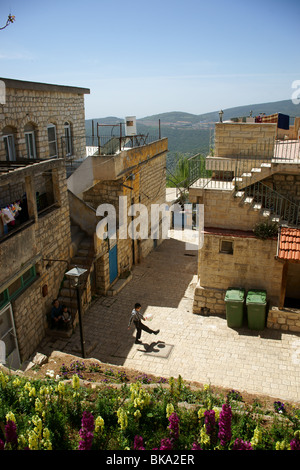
point(68, 139)
point(52, 141)
point(9, 144)
point(30, 144)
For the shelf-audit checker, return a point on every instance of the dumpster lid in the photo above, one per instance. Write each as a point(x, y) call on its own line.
point(235, 294)
point(256, 296)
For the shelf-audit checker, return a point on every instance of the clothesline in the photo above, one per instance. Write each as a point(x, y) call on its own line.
point(9, 213)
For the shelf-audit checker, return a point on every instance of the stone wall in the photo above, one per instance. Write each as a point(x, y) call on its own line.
point(285, 320)
point(286, 184)
point(252, 265)
point(47, 239)
point(144, 183)
point(223, 210)
point(33, 107)
point(244, 139)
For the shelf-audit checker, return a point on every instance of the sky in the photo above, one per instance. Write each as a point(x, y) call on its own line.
point(143, 57)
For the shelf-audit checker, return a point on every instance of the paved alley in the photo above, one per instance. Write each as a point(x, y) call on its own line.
point(197, 347)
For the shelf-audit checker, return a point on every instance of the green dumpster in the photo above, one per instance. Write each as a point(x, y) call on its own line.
point(234, 299)
point(256, 303)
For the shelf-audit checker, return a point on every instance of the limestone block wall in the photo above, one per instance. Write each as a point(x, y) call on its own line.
point(143, 183)
point(244, 139)
point(286, 184)
point(284, 320)
point(33, 107)
point(47, 239)
point(252, 265)
point(223, 210)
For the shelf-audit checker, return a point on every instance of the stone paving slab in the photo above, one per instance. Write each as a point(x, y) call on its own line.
point(204, 348)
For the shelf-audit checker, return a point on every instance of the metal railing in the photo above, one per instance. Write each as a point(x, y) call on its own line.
point(238, 169)
point(286, 211)
point(245, 172)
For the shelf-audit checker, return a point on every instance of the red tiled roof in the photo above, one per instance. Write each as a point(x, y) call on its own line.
point(289, 244)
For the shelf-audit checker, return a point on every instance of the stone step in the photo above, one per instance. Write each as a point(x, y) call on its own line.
point(70, 303)
point(79, 261)
point(86, 243)
point(68, 292)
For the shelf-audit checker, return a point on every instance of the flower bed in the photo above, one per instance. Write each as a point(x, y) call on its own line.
point(49, 414)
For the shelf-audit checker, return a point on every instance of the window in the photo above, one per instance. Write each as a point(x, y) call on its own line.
point(68, 139)
point(9, 143)
point(226, 247)
point(52, 140)
point(30, 144)
point(18, 286)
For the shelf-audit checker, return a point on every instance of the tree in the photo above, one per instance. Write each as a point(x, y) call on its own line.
point(9, 20)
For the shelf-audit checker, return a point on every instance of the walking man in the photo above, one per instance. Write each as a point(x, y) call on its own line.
point(137, 317)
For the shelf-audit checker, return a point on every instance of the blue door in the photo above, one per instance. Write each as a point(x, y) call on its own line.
point(113, 264)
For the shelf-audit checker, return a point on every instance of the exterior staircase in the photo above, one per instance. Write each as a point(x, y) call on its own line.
point(247, 184)
point(83, 249)
point(270, 203)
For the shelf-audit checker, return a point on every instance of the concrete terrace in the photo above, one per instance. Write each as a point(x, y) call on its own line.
point(199, 348)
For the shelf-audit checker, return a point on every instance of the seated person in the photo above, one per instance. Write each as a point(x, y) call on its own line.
point(56, 314)
point(66, 316)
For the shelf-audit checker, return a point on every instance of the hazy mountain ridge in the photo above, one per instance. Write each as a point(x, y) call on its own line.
point(189, 133)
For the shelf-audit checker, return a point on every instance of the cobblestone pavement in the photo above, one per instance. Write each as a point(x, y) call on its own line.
point(199, 348)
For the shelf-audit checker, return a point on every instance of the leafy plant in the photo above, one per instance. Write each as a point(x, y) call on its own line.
point(266, 230)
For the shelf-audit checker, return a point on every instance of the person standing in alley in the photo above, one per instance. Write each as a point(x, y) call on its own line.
point(136, 318)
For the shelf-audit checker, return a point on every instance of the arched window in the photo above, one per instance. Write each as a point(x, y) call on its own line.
point(9, 143)
point(68, 139)
point(30, 141)
point(52, 141)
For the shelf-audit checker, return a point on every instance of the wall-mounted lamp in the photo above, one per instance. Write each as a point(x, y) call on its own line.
point(75, 275)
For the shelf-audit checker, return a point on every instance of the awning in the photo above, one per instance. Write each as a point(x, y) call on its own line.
point(289, 244)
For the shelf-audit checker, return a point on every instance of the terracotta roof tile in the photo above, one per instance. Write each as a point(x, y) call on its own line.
point(289, 244)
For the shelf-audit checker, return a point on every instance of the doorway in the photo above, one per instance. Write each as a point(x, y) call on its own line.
point(292, 293)
point(9, 338)
point(113, 262)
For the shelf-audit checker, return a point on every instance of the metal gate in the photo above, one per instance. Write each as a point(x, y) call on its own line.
point(113, 263)
point(9, 338)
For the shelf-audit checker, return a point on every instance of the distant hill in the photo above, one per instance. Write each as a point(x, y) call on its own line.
point(190, 133)
point(284, 107)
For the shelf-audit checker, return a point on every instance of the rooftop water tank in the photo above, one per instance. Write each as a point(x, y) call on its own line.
point(130, 125)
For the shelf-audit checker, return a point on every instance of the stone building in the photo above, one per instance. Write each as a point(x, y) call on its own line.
point(251, 184)
point(38, 124)
point(30, 275)
point(40, 120)
point(132, 175)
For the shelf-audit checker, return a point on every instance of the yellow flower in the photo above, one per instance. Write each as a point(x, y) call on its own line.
point(99, 424)
point(10, 417)
point(38, 405)
point(61, 387)
point(137, 414)
point(204, 438)
point(217, 413)
point(3, 379)
point(201, 412)
point(75, 382)
point(16, 382)
point(257, 437)
point(283, 445)
point(169, 409)
point(122, 418)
